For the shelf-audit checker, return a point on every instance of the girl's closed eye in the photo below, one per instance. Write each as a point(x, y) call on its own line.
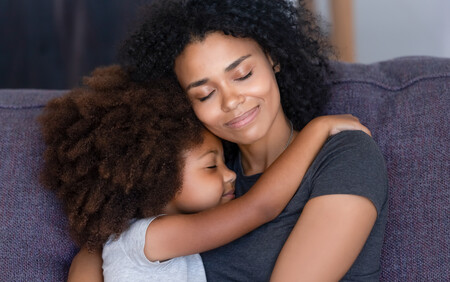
point(213, 166)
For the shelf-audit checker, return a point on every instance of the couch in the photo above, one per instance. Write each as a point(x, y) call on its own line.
point(404, 101)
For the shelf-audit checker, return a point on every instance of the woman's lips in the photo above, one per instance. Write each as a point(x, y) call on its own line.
point(243, 119)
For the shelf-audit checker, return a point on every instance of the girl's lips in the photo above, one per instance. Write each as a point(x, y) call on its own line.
point(243, 119)
point(229, 194)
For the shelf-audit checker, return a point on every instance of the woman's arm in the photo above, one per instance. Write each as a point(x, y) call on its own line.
point(326, 240)
point(348, 196)
point(86, 267)
point(172, 236)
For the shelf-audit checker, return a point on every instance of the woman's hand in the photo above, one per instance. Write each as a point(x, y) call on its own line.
point(337, 123)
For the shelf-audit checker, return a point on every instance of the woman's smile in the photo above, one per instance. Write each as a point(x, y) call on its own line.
point(244, 119)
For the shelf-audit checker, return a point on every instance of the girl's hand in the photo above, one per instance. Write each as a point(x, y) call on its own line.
point(338, 123)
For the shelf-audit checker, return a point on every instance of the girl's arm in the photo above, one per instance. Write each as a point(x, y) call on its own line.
point(178, 235)
point(86, 267)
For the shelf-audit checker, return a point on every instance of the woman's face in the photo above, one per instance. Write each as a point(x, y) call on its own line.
point(231, 84)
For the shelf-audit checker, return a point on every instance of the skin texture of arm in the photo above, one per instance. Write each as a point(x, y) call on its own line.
point(178, 235)
point(86, 267)
point(326, 239)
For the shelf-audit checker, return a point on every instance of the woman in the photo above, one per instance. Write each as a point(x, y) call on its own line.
point(254, 72)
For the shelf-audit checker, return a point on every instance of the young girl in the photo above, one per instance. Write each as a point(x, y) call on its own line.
point(136, 169)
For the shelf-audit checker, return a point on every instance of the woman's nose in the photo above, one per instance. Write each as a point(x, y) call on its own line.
point(231, 99)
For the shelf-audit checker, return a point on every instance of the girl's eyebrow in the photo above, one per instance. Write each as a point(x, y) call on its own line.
point(215, 152)
point(232, 66)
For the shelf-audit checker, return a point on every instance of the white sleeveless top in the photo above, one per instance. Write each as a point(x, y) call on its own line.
point(124, 260)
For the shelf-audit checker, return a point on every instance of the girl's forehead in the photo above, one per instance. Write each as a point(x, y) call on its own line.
point(211, 145)
point(211, 141)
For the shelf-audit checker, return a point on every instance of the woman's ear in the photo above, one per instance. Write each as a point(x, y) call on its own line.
point(275, 66)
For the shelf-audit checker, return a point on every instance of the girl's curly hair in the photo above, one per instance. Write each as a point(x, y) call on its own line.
point(289, 33)
point(115, 151)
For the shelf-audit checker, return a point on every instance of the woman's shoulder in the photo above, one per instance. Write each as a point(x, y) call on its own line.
point(351, 151)
point(350, 162)
point(355, 139)
point(352, 145)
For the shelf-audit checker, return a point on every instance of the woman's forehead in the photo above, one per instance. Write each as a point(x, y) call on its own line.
point(215, 49)
point(217, 43)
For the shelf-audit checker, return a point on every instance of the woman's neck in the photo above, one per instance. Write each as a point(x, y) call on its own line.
point(258, 156)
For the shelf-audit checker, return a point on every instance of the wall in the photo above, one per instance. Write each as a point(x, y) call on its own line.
point(386, 29)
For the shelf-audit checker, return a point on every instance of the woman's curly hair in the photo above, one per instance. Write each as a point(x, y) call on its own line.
point(115, 151)
point(289, 33)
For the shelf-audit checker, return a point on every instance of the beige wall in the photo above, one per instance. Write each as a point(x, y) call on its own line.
point(385, 29)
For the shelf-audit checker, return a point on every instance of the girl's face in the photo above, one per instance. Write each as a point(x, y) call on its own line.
point(231, 84)
point(207, 182)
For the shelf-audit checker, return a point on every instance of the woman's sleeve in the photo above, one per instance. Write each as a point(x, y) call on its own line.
point(351, 163)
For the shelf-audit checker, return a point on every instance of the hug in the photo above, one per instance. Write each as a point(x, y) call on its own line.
point(244, 168)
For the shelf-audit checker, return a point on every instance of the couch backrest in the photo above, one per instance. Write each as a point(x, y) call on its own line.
point(34, 244)
point(405, 103)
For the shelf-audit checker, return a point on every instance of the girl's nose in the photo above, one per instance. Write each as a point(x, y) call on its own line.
point(228, 175)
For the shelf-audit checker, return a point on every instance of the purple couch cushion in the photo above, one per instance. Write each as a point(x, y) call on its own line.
point(34, 245)
point(406, 104)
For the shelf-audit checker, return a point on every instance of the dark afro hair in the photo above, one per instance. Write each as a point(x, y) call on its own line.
point(289, 33)
point(115, 151)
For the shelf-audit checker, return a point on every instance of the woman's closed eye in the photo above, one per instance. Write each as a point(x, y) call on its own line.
point(207, 96)
point(245, 76)
point(212, 166)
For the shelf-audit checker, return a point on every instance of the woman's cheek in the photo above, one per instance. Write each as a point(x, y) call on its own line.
point(207, 112)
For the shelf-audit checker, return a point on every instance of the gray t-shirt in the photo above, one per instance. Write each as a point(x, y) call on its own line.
point(349, 163)
point(124, 260)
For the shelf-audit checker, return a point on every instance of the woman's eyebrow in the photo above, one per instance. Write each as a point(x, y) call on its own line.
point(196, 83)
point(236, 63)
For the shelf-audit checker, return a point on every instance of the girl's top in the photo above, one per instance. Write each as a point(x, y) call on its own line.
point(124, 260)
